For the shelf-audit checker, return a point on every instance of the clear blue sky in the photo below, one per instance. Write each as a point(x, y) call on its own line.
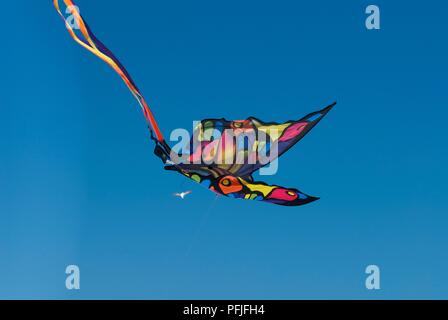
point(80, 185)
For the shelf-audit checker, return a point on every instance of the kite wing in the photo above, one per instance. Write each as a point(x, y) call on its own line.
point(224, 183)
point(237, 187)
point(243, 146)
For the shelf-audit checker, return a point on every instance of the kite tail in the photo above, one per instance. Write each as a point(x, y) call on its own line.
point(86, 38)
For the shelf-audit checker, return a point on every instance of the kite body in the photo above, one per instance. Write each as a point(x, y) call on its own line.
point(222, 154)
point(225, 175)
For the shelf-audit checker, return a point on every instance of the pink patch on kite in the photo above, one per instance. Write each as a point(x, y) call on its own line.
point(293, 131)
point(283, 194)
point(196, 156)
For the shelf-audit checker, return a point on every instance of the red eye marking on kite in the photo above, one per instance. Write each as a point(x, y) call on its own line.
point(230, 184)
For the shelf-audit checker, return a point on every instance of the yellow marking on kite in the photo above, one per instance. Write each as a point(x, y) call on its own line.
point(274, 131)
point(265, 190)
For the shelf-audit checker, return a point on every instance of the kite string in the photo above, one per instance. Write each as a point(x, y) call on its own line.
point(200, 225)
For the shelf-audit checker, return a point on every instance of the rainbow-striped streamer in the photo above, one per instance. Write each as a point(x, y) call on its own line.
point(88, 40)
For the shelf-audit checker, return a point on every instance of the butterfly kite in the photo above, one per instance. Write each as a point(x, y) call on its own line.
point(213, 138)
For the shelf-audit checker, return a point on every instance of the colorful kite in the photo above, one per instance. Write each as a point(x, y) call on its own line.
point(222, 154)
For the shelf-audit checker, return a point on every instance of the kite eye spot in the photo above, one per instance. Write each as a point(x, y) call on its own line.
point(290, 193)
point(230, 184)
point(237, 124)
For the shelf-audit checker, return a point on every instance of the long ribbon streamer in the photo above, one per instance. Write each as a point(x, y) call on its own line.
point(91, 43)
